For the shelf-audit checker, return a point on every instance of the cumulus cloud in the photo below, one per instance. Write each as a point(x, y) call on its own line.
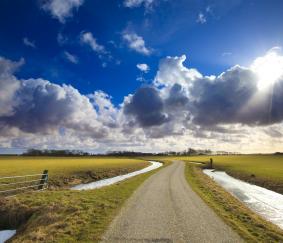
point(136, 42)
point(184, 98)
point(61, 9)
point(29, 43)
point(180, 108)
point(172, 70)
point(8, 85)
point(70, 57)
point(37, 106)
point(88, 39)
point(147, 107)
point(143, 67)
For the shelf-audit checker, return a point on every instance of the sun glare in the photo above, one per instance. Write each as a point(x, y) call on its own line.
point(268, 68)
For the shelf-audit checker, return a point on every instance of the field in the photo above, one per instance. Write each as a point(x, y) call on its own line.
point(69, 170)
point(62, 215)
point(263, 170)
point(249, 225)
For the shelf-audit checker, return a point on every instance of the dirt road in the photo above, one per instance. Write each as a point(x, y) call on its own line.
point(165, 209)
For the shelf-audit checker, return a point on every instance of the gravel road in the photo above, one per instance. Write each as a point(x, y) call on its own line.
point(165, 209)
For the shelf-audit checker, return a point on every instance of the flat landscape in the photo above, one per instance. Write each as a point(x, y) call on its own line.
point(68, 170)
point(114, 213)
point(62, 215)
point(263, 170)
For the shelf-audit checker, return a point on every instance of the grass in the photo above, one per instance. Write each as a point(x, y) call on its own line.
point(250, 226)
point(68, 216)
point(262, 170)
point(69, 170)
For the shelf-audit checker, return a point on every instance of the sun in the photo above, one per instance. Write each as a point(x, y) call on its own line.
point(268, 68)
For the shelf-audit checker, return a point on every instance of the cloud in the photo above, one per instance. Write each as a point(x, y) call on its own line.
point(143, 67)
point(62, 9)
point(37, 106)
point(88, 39)
point(29, 43)
point(70, 57)
point(181, 108)
point(136, 43)
point(61, 39)
point(146, 106)
point(9, 84)
point(201, 18)
point(138, 3)
point(172, 70)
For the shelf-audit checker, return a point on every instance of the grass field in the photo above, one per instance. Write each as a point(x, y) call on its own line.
point(62, 215)
point(263, 170)
point(67, 170)
point(248, 224)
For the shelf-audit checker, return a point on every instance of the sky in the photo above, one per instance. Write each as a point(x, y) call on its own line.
point(143, 75)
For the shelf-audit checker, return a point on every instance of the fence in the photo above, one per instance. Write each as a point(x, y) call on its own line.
point(12, 185)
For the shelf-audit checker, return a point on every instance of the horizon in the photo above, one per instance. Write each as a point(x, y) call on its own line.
point(142, 75)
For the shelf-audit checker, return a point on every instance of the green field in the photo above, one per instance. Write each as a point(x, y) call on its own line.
point(263, 170)
point(63, 215)
point(67, 170)
point(250, 226)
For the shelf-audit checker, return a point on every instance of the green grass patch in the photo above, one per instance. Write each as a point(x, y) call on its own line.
point(66, 216)
point(69, 170)
point(262, 170)
point(249, 225)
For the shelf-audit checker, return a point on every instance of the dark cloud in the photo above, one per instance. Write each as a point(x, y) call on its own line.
point(147, 107)
point(177, 98)
point(38, 106)
point(220, 100)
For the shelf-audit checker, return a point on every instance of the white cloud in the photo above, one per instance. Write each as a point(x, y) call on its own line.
point(62, 9)
point(88, 39)
point(70, 57)
point(138, 3)
point(143, 67)
point(136, 43)
point(180, 108)
point(201, 18)
point(29, 43)
point(172, 70)
point(9, 84)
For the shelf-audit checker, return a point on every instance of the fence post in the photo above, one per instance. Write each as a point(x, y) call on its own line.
point(43, 180)
point(211, 163)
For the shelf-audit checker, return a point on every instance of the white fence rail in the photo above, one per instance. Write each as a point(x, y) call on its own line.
point(11, 185)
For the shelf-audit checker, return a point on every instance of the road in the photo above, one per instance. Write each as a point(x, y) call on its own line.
point(165, 209)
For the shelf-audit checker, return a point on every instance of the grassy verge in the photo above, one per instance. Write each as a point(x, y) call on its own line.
point(249, 226)
point(262, 170)
point(70, 170)
point(66, 216)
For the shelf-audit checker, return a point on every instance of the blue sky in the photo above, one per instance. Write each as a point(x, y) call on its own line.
point(234, 33)
point(96, 45)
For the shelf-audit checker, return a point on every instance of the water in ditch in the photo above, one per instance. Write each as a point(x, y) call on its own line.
point(267, 203)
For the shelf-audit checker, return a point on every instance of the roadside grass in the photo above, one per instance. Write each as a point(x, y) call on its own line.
point(64, 215)
point(70, 170)
point(250, 226)
point(262, 170)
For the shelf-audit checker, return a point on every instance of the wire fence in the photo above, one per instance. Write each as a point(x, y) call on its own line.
point(11, 185)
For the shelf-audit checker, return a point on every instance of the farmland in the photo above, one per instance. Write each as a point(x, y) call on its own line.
point(69, 170)
point(62, 215)
point(263, 170)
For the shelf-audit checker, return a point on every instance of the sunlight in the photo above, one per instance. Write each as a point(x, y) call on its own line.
point(268, 68)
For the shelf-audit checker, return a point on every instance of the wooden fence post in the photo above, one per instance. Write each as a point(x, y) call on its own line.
point(211, 163)
point(43, 180)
